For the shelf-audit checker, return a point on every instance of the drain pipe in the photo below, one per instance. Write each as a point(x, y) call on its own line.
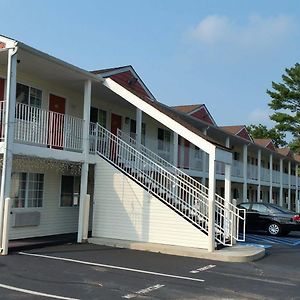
point(8, 136)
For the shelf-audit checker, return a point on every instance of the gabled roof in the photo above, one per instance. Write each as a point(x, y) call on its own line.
point(262, 142)
point(267, 143)
point(128, 78)
point(285, 151)
point(233, 129)
point(187, 108)
point(198, 111)
point(238, 130)
point(297, 157)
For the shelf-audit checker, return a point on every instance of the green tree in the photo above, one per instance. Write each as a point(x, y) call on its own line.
point(262, 132)
point(286, 104)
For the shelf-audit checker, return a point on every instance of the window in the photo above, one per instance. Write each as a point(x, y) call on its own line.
point(70, 191)
point(198, 153)
point(27, 189)
point(133, 131)
point(29, 95)
point(98, 116)
point(164, 138)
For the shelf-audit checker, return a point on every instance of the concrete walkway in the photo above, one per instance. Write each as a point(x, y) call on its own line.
point(39, 242)
point(237, 253)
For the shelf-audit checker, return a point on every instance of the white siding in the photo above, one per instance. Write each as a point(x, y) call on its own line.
point(54, 219)
point(124, 210)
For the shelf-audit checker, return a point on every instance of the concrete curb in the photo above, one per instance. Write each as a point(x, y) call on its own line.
point(238, 253)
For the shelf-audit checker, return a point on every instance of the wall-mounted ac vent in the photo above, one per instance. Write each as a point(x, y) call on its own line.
point(22, 219)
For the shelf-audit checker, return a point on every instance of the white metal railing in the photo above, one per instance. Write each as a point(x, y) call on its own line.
point(237, 168)
point(185, 191)
point(161, 161)
point(265, 174)
point(276, 176)
point(2, 120)
point(285, 179)
point(252, 172)
point(43, 127)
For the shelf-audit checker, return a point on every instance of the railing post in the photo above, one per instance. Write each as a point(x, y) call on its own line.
point(6, 226)
point(211, 202)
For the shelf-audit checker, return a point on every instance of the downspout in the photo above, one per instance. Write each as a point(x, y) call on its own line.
point(8, 134)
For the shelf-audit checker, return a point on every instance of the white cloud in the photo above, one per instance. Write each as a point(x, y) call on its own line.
point(256, 32)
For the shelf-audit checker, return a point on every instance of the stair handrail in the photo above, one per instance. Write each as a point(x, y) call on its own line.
point(125, 136)
point(196, 205)
point(231, 215)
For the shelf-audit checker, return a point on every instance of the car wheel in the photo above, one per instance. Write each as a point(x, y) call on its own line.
point(274, 229)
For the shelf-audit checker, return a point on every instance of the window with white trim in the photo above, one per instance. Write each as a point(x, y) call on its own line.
point(27, 189)
point(164, 140)
point(70, 191)
point(29, 95)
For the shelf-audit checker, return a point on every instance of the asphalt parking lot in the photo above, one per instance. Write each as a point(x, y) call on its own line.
point(96, 272)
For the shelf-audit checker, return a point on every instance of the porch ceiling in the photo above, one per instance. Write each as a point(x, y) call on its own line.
point(48, 68)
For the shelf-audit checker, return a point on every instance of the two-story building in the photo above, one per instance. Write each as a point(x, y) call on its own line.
point(155, 174)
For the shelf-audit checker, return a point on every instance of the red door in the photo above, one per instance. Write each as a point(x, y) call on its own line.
point(186, 154)
point(1, 108)
point(116, 123)
point(57, 107)
point(1, 89)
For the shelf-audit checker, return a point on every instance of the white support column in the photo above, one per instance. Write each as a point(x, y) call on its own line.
point(211, 202)
point(227, 195)
point(85, 165)
point(139, 116)
point(297, 189)
point(289, 183)
point(205, 160)
point(281, 183)
point(259, 175)
point(227, 142)
point(175, 149)
point(10, 105)
point(245, 164)
point(271, 179)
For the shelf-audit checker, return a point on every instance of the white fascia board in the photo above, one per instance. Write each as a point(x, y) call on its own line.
point(47, 153)
point(10, 43)
point(148, 109)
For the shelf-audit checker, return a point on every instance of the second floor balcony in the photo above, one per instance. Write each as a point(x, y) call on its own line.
point(44, 128)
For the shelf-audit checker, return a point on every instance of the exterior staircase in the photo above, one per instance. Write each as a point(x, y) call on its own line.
point(176, 189)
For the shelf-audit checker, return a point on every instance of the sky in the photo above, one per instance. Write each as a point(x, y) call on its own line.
point(224, 54)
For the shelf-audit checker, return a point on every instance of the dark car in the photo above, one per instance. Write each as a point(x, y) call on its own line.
point(272, 218)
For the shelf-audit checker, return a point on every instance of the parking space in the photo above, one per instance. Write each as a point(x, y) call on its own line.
point(98, 272)
point(267, 241)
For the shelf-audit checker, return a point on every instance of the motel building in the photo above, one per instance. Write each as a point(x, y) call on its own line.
point(95, 152)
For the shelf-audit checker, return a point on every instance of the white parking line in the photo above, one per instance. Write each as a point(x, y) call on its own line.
point(143, 291)
point(111, 266)
point(202, 269)
point(13, 288)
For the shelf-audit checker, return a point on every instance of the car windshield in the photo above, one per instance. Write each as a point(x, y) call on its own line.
point(281, 209)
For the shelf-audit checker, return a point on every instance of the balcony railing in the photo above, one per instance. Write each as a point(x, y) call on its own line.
point(45, 128)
